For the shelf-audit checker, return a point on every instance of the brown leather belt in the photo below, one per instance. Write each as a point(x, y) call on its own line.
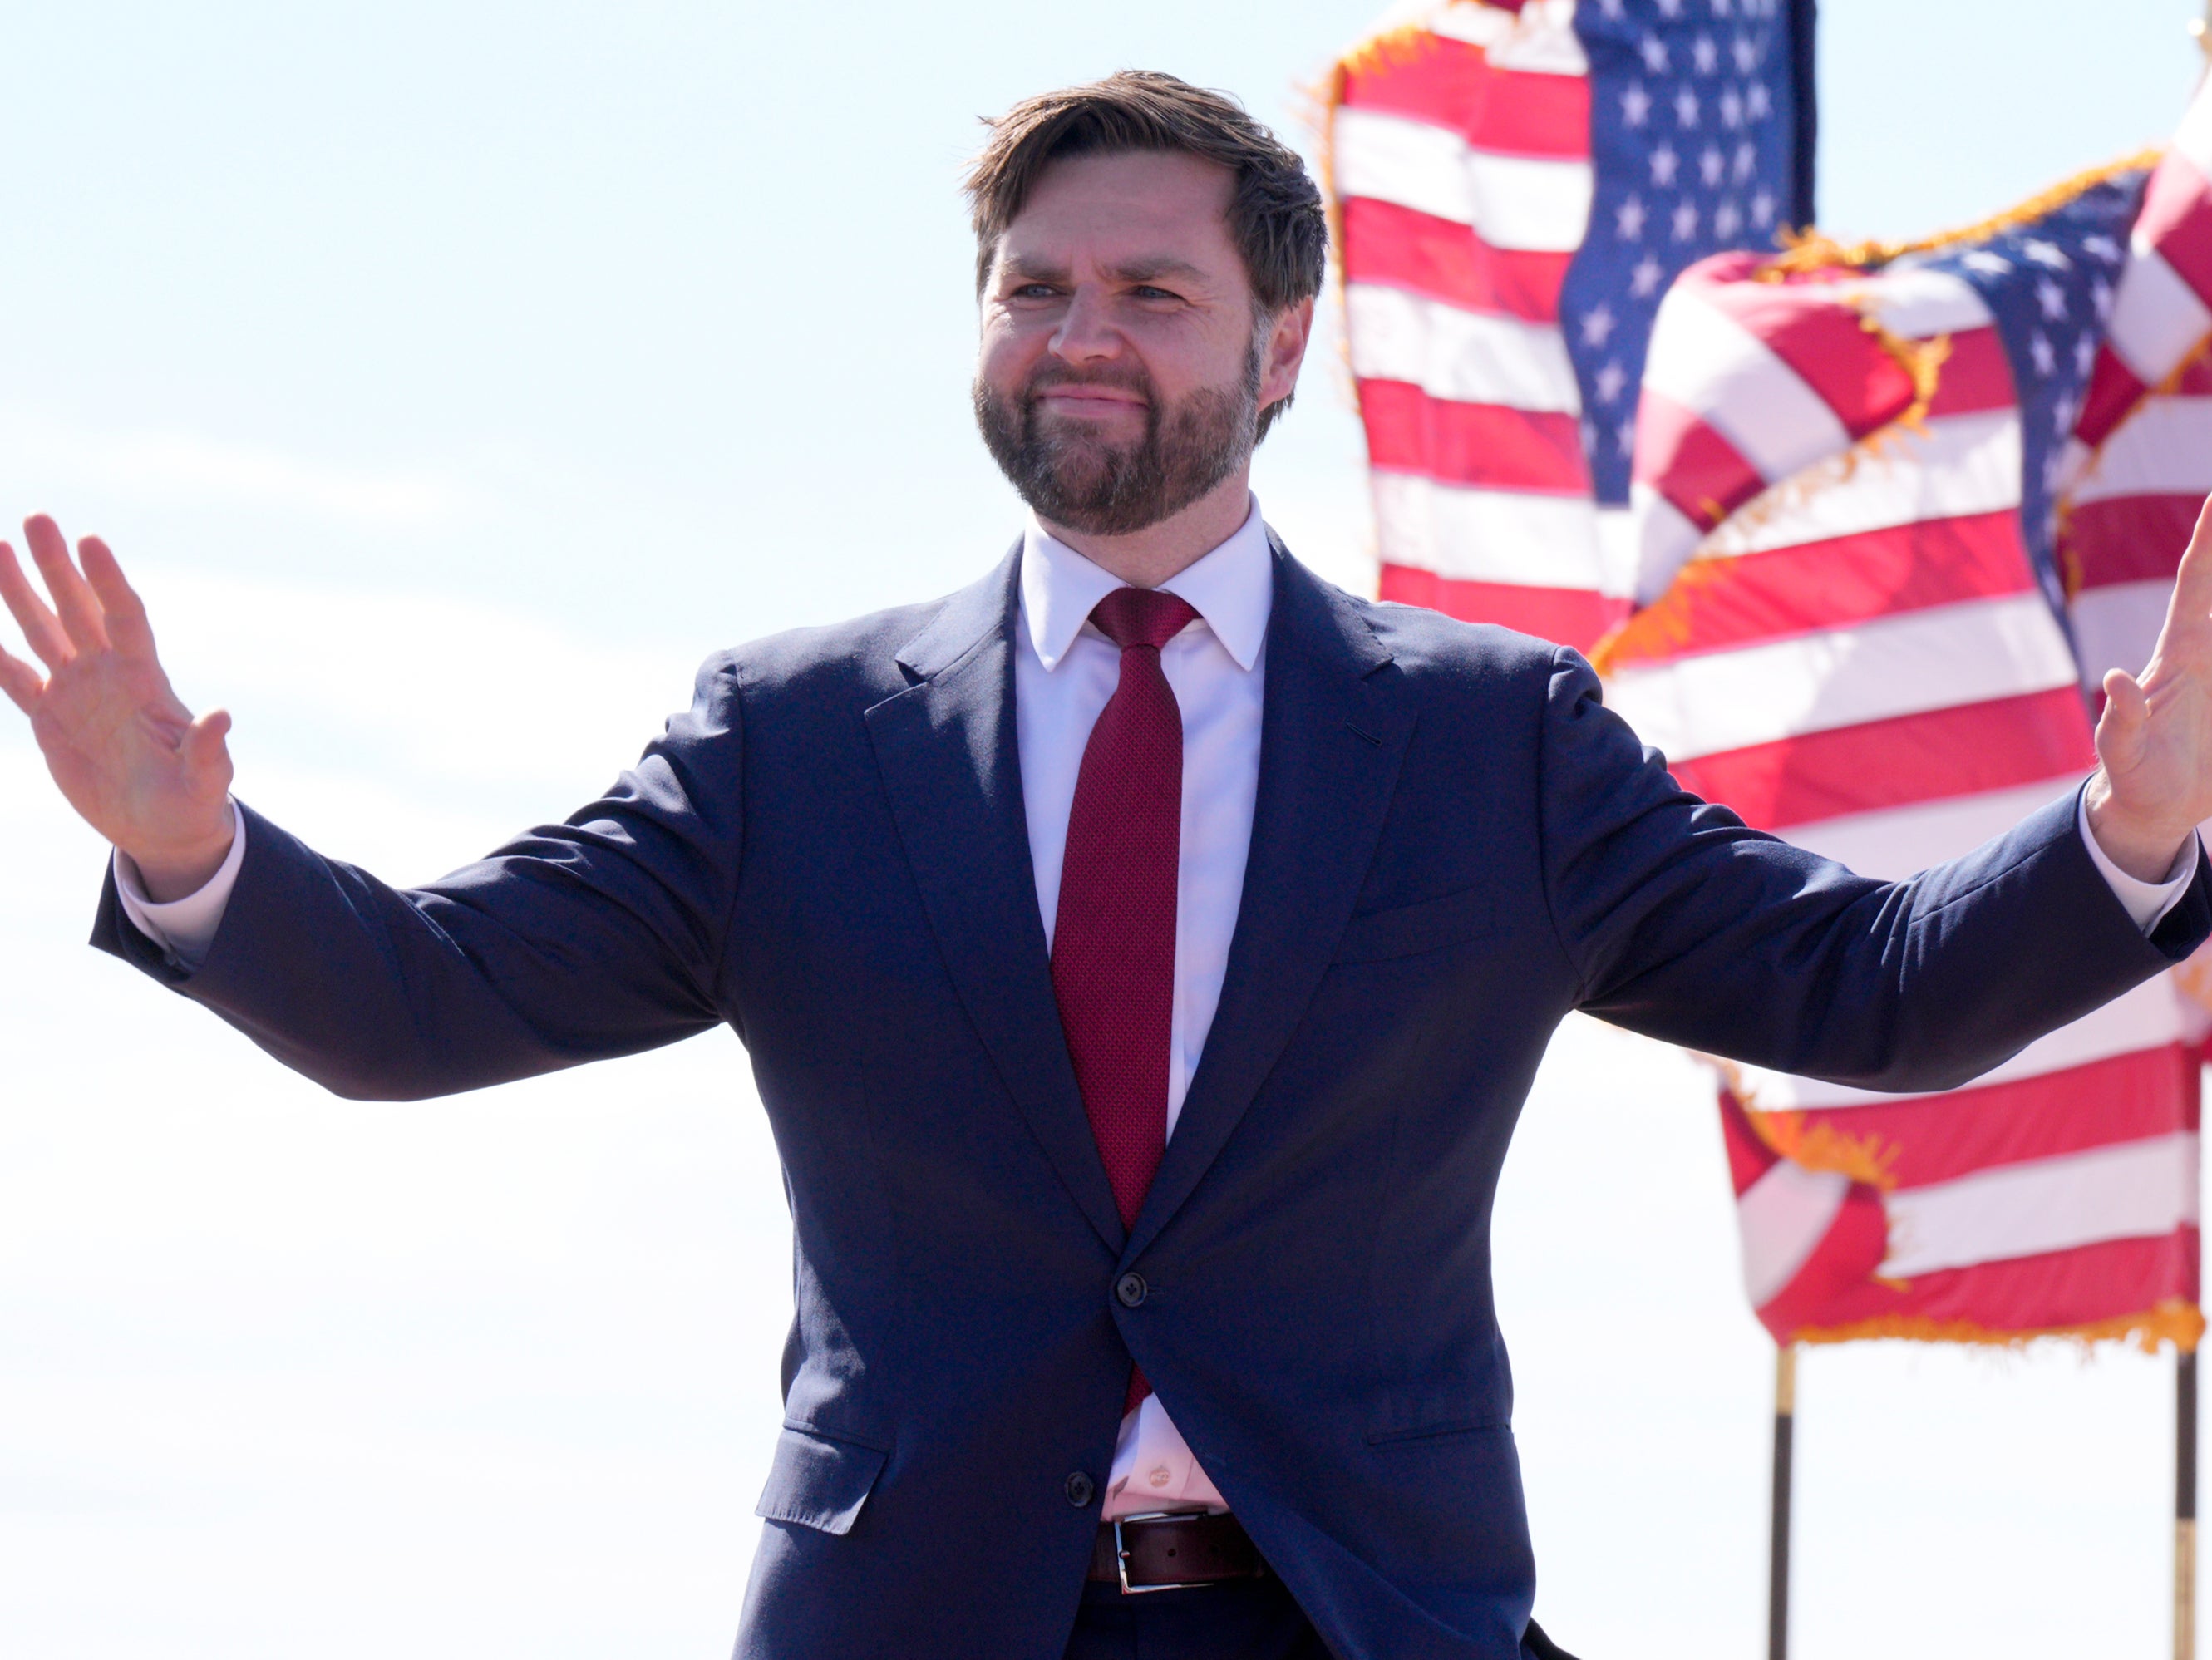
point(1168, 1552)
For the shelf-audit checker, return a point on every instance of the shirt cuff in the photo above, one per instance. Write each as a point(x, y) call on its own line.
point(2148, 902)
point(184, 928)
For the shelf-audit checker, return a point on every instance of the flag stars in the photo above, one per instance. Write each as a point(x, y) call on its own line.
point(1644, 281)
point(2101, 248)
point(2046, 254)
point(2085, 355)
point(1635, 104)
point(1712, 165)
point(1612, 380)
point(1671, 9)
point(2038, 347)
point(1762, 209)
point(1746, 158)
point(1686, 107)
point(1746, 53)
point(1704, 56)
point(1727, 220)
point(1597, 326)
point(1731, 108)
point(1628, 220)
point(1686, 220)
point(1624, 438)
point(2100, 297)
point(1613, 9)
point(1756, 102)
point(1664, 165)
point(1655, 54)
point(2052, 299)
point(1987, 264)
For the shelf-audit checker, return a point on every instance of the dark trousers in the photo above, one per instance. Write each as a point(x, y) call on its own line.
point(1240, 1619)
point(1236, 1619)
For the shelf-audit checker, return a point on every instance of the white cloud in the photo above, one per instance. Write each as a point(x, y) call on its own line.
point(451, 699)
point(197, 466)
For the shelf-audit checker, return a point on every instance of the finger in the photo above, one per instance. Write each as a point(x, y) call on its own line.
point(22, 682)
point(39, 626)
point(2192, 583)
point(75, 602)
point(119, 604)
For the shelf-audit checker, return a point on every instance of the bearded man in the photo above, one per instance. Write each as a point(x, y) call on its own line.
point(1143, 955)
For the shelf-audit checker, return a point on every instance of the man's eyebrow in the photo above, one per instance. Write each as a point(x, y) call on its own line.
point(1031, 269)
point(1154, 267)
point(1151, 268)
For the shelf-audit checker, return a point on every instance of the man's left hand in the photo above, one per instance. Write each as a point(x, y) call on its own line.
point(2153, 785)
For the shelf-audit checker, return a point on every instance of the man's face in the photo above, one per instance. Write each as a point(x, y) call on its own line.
point(1122, 371)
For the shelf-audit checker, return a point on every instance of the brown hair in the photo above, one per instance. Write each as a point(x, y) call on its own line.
point(1275, 215)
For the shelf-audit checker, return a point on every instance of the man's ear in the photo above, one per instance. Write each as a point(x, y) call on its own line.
point(1279, 359)
point(1285, 350)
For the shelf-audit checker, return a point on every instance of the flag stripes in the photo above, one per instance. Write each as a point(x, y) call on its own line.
point(1459, 158)
point(1849, 644)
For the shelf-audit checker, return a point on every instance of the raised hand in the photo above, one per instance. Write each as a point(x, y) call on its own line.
point(128, 755)
point(2155, 741)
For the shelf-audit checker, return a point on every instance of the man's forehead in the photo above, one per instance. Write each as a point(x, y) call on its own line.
point(1139, 216)
point(1129, 193)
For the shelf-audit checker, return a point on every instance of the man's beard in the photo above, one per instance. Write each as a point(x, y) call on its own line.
point(1074, 477)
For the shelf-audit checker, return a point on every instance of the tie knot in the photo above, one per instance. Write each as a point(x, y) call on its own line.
point(1141, 617)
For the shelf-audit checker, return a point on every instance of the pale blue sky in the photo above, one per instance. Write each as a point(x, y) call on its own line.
point(455, 376)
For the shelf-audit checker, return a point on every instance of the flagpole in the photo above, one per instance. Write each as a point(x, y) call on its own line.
point(2184, 1505)
point(1778, 1576)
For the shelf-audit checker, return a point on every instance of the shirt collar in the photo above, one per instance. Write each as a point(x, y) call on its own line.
point(1233, 588)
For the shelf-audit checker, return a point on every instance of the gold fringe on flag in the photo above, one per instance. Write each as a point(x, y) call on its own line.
point(1809, 251)
point(2171, 1320)
point(1821, 1147)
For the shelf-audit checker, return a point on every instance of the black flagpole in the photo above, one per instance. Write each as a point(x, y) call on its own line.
point(1777, 1572)
point(2184, 1505)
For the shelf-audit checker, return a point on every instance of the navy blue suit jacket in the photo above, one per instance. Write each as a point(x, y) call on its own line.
point(1454, 845)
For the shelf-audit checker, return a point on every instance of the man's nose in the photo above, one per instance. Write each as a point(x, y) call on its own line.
point(1087, 332)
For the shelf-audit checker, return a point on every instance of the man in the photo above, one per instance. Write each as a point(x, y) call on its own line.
point(1143, 955)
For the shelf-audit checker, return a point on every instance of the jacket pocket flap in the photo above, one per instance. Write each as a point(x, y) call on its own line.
point(1426, 925)
point(817, 1481)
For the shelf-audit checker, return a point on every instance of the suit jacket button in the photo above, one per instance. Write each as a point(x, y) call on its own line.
point(1130, 1289)
point(1079, 1489)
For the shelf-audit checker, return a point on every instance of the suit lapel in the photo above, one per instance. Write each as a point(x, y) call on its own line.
point(1332, 732)
point(946, 748)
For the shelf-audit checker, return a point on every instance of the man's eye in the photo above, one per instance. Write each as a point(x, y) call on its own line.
point(1146, 291)
point(1033, 291)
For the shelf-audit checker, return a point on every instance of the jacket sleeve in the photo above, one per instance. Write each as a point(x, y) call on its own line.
point(599, 936)
point(1685, 924)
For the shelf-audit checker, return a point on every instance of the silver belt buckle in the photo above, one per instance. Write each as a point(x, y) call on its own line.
point(1121, 1555)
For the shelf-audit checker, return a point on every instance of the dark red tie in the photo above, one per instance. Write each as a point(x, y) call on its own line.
point(1113, 941)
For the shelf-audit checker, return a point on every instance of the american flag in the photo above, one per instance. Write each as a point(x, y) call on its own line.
point(2140, 466)
point(1863, 646)
point(1517, 185)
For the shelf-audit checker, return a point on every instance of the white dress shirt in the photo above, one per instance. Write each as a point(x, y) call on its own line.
point(1064, 671)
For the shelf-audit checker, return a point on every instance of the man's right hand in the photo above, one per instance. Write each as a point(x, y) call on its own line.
point(128, 755)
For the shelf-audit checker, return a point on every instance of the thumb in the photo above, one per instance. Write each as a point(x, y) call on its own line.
point(203, 750)
point(2120, 728)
